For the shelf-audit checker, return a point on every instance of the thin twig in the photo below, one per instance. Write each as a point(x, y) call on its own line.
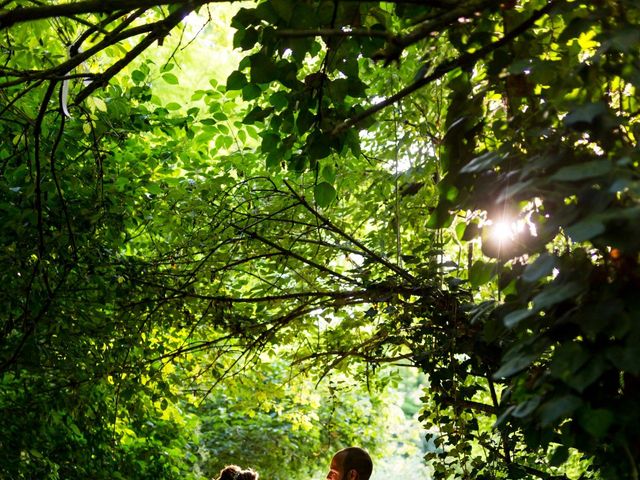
point(395, 268)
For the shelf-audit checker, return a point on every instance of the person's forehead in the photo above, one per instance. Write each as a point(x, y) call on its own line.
point(336, 462)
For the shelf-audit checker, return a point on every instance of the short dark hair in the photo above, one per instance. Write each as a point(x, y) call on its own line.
point(234, 472)
point(248, 474)
point(230, 472)
point(358, 459)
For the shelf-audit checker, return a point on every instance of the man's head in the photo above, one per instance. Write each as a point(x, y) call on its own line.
point(350, 463)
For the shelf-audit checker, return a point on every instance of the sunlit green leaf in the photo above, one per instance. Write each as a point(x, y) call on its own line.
point(170, 78)
point(324, 193)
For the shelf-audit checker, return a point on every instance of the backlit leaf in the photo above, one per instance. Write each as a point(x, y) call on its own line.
point(170, 78)
point(324, 194)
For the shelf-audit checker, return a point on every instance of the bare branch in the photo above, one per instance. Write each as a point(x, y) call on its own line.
point(160, 30)
point(292, 254)
point(21, 15)
point(395, 268)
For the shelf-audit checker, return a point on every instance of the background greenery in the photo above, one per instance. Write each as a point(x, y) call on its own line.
point(229, 229)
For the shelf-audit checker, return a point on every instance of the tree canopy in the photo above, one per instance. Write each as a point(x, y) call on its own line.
point(449, 185)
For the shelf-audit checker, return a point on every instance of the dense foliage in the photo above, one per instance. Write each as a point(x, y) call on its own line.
point(447, 184)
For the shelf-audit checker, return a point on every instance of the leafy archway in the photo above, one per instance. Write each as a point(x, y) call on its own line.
point(333, 204)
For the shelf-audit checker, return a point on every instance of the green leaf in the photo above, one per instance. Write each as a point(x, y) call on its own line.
point(324, 194)
point(514, 365)
point(100, 104)
point(74, 428)
point(304, 121)
point(236, 80)
point(450, 193)
point(274, 161)
point(246, 38)
point(567, 359)
point(269, 142)
point(137, 76)
point(279, 100)
point(35, 453)
point(170, 78)
point(154, 188)
point(586, 229)
point(583, 171)
point(349, 66)
point(471, 231)
point(585, 114)
point(514, 318)
point(440, 217)
point(526, 408)
point(257, 115)
point(121, 182)
point(287, 74)
point(357, 88)
point(559, 456)
point(554, 294)
point(251, 91)
point(318, 146)
point(329, 173)
point(542, 267)
point(483, 162)
point(284, 8)
point(338, 89)
point(588, 374)
point(558, 408)
point(265, 11)
point(262, 68)
point(625, 358)
point(297, 163)
point(481, 273)
point(596, 421)
point(173, 106)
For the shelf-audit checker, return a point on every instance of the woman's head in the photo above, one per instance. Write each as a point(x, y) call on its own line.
point(234, 472)
point(230, 472)
point(247, 474)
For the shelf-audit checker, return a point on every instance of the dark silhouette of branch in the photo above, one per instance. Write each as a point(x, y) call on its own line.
point(31, 326)
point(353, 353)
point(332, 32)
point(530, 470)
point(160, 30)
point(450, 401)
point(496, 404)
point(292, 254)
point(75, 47)
point(116, 35)
point(21, 14)
point(37, 130)
point(432, 26)
point(362, 294)
point(325, 221)
point(54, 176)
